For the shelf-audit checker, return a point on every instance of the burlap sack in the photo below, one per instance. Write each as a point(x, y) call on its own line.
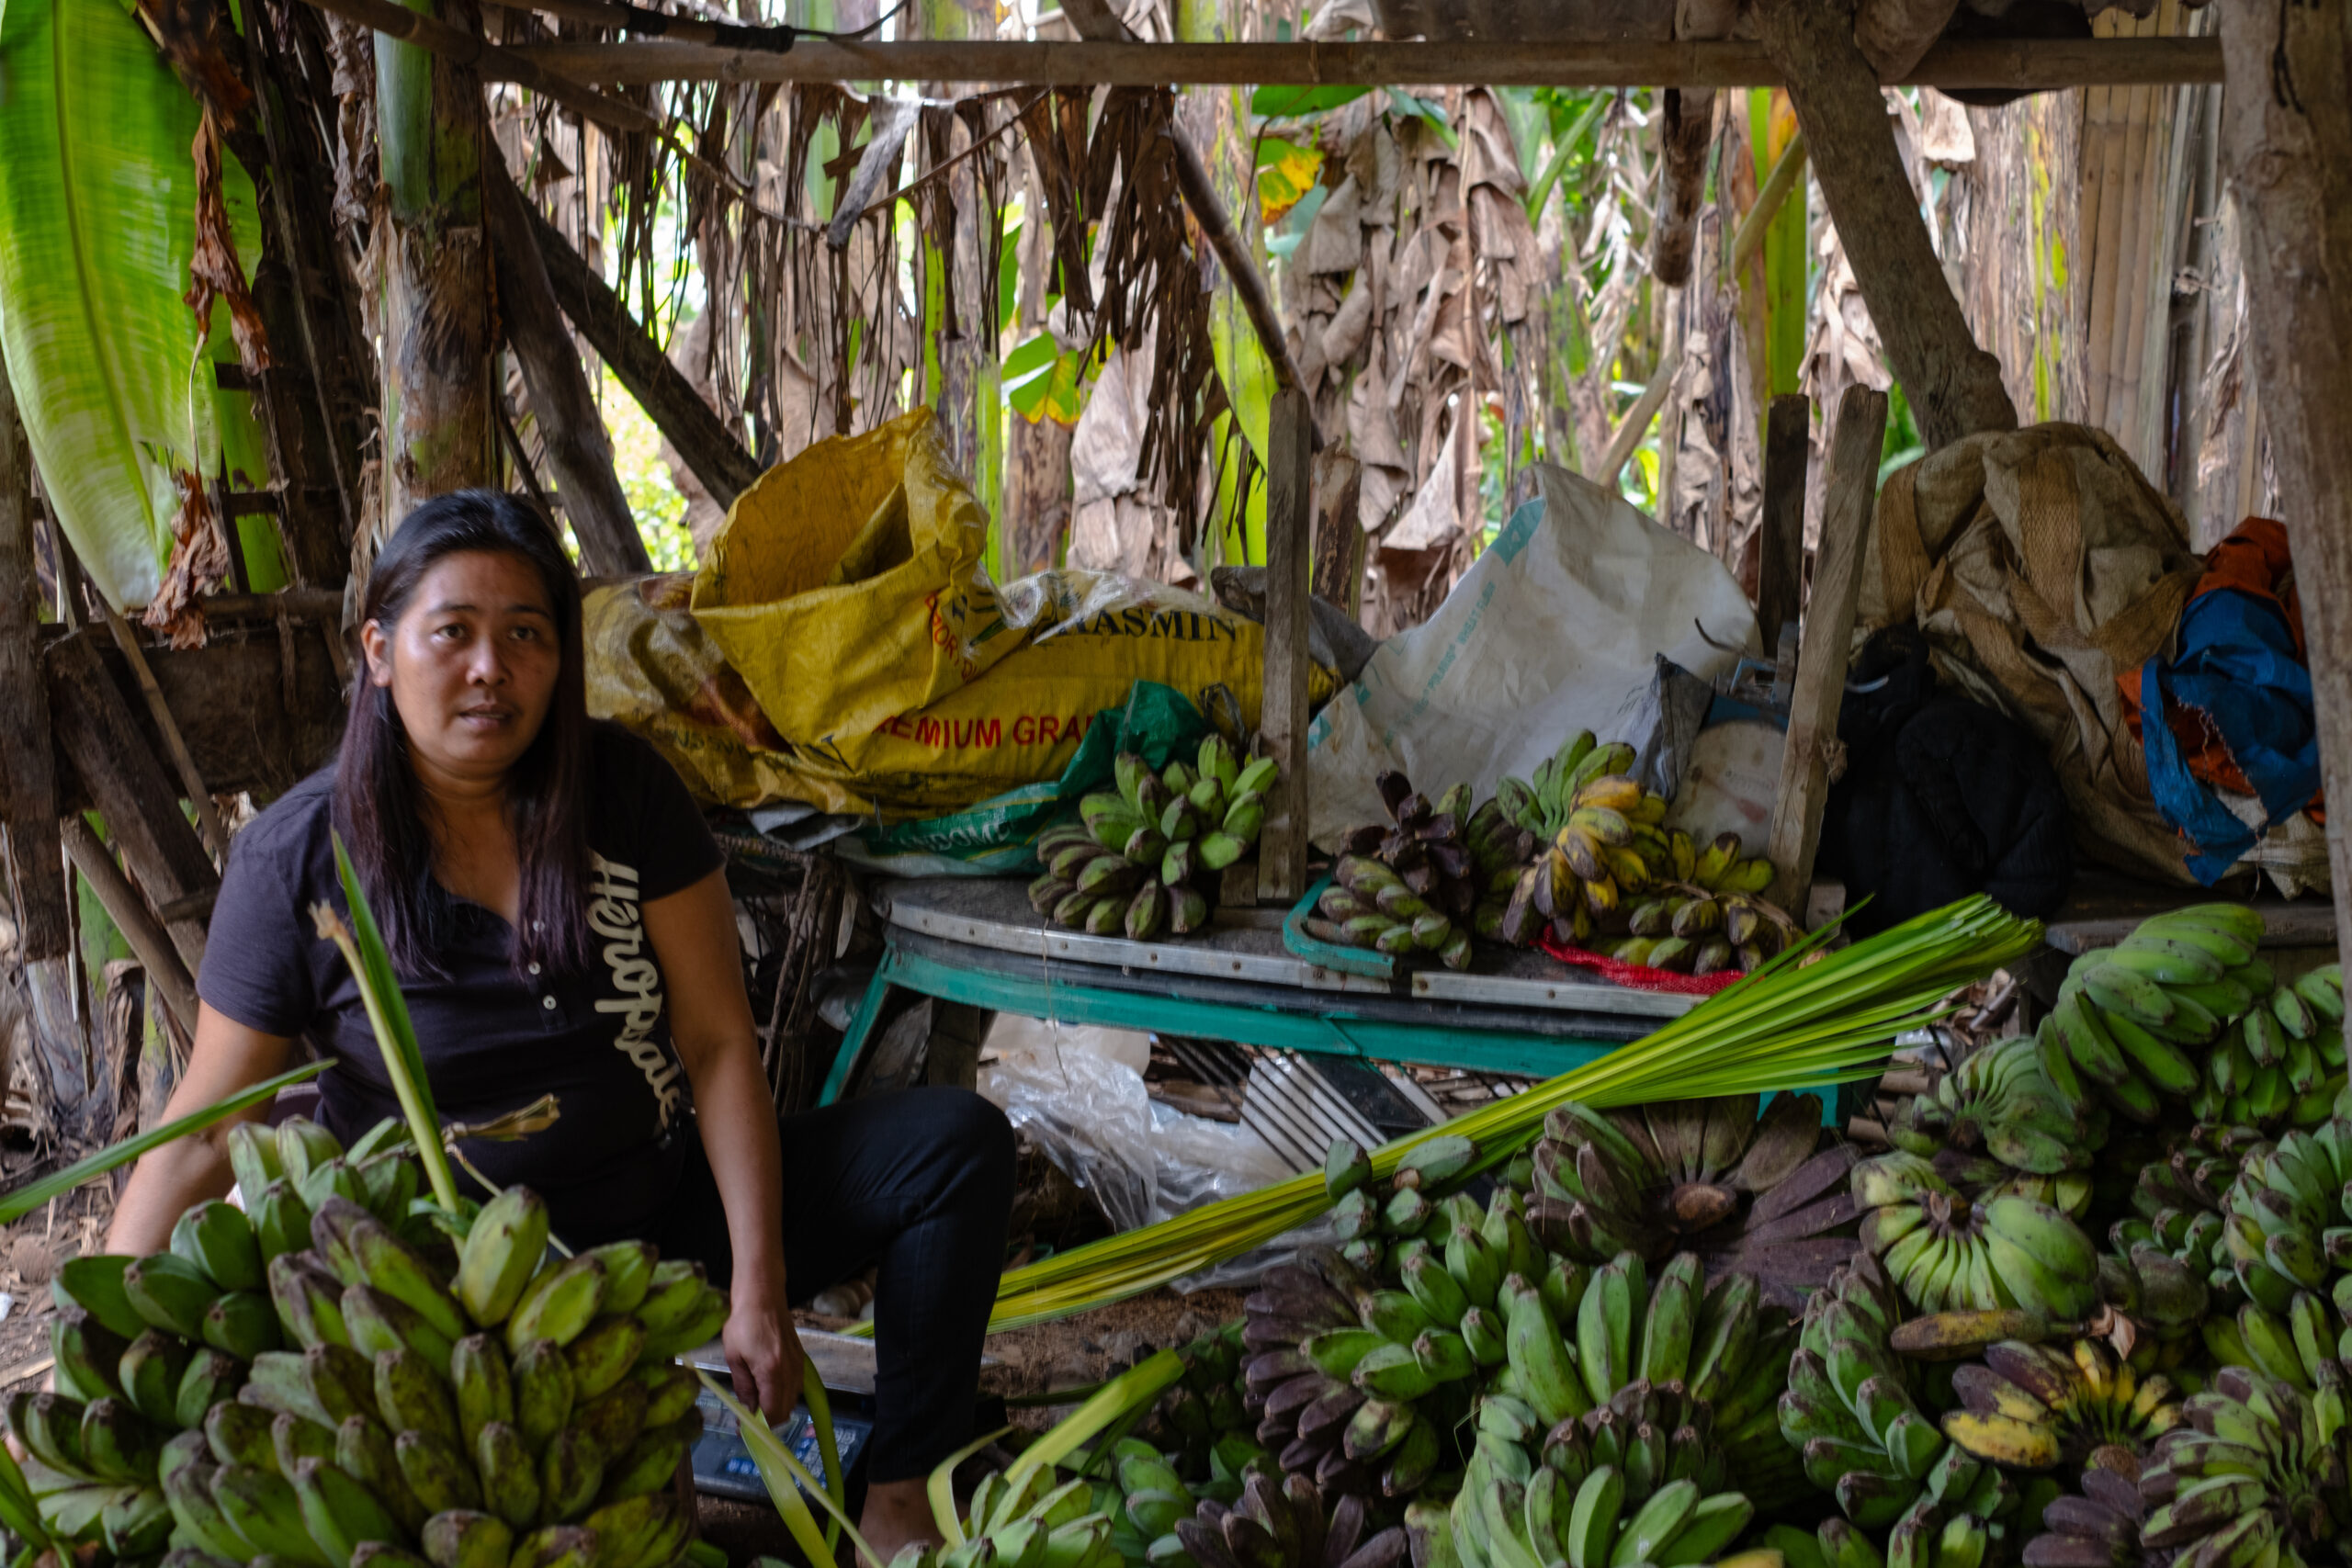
point(2039, 564)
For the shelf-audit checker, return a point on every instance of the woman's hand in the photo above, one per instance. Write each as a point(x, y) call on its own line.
point(227, 1057)
point(763, 1350)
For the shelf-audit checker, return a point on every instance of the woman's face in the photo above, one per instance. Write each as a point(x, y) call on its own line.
point(471, 663)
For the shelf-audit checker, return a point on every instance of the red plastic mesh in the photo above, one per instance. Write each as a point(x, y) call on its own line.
point(1640, 976)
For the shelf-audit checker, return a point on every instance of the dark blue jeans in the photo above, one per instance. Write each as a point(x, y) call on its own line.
point(919, 1182)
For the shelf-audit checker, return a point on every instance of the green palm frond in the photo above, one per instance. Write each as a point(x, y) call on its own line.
point(1808, 1019)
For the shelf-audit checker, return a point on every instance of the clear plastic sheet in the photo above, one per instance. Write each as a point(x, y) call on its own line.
point(1078, 1092)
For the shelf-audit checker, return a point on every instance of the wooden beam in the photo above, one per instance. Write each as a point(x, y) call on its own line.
point(2026, 65)
point(1894, 34)
point(140, 802)
point(578, 449)
point(1282, 716)
point(259, 707)
point(28, 777)
point(208, 814)
point(1780, 544)
point(710, 451)
point(135, 921)
point(495, 64)
point(1954, 385)
point(1685, 131)
point(1847, 505)
point(2287, 137)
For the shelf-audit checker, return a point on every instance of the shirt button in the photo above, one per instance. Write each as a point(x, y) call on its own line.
point(547, 1002)
point(535, 968)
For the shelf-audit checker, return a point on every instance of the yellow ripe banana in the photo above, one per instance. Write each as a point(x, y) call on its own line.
point(1582, 852)
point(1716, 861)
point(1626, 869)
point(1686, 855)
point(1610, 827)
point(1650, 810)
point(2004, 1439)
point(1601, 896)
point(1614, 792)
point(1749, 876)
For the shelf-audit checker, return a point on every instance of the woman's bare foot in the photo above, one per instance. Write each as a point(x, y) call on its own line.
point(898, 1514)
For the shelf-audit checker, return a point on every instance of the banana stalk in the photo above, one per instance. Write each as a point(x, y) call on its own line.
point(371, 968)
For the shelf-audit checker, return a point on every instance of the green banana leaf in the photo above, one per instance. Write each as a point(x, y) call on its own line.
point(97, 199)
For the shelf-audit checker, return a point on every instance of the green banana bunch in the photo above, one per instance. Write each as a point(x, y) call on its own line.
point(429, 1382)
point(1542, 805)
point(1372, 905)
point(2165, 1299)
point(1041, 1521)
point(2177, 1205)
point(2000, 1100)
point(1852, 1408)
point(2281, 1060)
point(2035, 1407)
point(1946, 1252)
point(1203, 1419)
point(2282, 1220)
point(1373, 1225)
point(1410, 885)
point(1708, 1174)
point(2131, 1020)
point(1508, 1514)
point(2254, 1473)
point(1130, 864)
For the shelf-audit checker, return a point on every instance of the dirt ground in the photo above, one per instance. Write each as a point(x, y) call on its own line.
point(30, 1251)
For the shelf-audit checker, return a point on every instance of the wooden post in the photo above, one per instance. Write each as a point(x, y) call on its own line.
point(578, 449)
point(1281, 724)
point(141, 803)
point(2287, 134)
point(1954, 387)
point(135, 921)
point(1339, 537)
point(1780, 544)
point(1822, 651)
point(28, 777)
point(1685, 131)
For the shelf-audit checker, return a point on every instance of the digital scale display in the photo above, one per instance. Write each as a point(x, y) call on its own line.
point(724, 1466)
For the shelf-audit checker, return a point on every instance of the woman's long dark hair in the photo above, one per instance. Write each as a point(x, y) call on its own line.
point(380, 807)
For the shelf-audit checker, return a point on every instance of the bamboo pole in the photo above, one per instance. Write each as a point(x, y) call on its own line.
point(131, 915)
point(2027, 65)
point(208, 814)
point(1748, 238)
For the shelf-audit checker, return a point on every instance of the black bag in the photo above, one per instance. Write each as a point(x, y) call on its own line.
point(1940, 798)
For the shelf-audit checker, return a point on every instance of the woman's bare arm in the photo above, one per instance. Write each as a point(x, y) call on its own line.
point(227, 1057)
point(710, 1024)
